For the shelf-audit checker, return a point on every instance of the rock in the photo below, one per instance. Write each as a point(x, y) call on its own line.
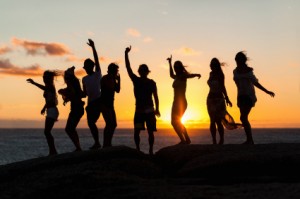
point(190, 171)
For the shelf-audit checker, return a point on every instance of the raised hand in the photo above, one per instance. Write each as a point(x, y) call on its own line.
point(91, 43)
point(169, 59)
point(128, 49)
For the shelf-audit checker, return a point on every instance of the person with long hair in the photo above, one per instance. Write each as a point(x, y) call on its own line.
point(216, 99)
point(50, 107)
point(73, 94)
point(180, 103)
point(245, 81)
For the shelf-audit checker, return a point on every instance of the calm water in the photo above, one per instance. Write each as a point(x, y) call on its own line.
point(22, 144)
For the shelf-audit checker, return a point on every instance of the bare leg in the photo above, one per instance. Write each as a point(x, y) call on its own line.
point(247, 127)
point(213, 131)
point(186, 136)
point(221, 132)
point(151, 141)
point(137, 139)
point(178, 129)
point(49, 123)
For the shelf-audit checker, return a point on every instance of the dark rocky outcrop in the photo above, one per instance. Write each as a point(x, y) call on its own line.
point(190, 171)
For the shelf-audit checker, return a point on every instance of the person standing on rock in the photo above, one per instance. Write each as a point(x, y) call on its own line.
point(245, 81)
point(144, 90)
point(91, 89)
point(50, 107)
point(180, 103)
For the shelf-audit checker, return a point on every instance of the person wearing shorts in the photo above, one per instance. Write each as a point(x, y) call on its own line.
point(144, 90)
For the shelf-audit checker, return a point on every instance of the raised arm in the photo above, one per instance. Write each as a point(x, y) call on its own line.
point(36, 84)
point(128, 67)
point(258, 85)
point(172, 75)
point(96, 59)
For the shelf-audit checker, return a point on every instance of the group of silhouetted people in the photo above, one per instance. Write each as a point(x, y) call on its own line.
point(100, 91)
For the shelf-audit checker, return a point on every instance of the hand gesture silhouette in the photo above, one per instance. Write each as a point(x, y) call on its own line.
point(91, 43)
point(157, 113)
point(30, 80)
point(43, 111)
point(169, 59)
point(128, 49)
point(198, 75)
point(271, 93)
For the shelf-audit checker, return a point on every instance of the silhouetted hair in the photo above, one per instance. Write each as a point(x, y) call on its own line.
point(112, 68)
point(50, 74)
point(241, 57)
point(180, 68)
point(69, 75)
point(88, 63)
point(143, 67)
point(215, 66)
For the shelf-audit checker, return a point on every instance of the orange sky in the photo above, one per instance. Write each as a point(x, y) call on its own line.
point(34, 40)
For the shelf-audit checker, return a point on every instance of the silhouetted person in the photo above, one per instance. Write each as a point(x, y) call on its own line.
point(180, 103)
point(73, 94)
point(49, 107)
point(144, 90)
point(216, 99)
point(110, 84)
point(91, 88)
point(245, 82)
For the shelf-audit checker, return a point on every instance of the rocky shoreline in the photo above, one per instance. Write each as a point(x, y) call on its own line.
point(189, 171)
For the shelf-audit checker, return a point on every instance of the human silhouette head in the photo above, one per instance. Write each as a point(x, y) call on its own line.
point(143, 70)
point(69, 74)
point(48, 76)
point(241, 58)
point(113, 69)
point(88, 66)
point(179, 68)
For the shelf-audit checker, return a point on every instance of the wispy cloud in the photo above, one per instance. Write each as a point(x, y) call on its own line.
point(4, 49)
point(42, 48)
point(186, 51)
point(8, 68)
point(148, 39)
point(133, 32)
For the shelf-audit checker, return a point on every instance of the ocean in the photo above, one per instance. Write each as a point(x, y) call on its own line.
point(22, 144)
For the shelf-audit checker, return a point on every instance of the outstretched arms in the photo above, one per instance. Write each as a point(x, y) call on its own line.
point(36, 84)
point(172, 75)
point(193, 75)
point(128, 67)
point(92, 45)
point(258, 85)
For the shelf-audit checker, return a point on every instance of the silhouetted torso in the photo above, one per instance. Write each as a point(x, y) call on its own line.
point(143, 91)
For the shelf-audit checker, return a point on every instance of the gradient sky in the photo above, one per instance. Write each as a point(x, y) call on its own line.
point(38, 35)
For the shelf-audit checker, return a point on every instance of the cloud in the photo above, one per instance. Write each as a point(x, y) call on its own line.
point(72, 58)
point(8, 68)
point(186, 51)
point(148, 39)
point(133, 32)
point(4, 49)
point(41, 48)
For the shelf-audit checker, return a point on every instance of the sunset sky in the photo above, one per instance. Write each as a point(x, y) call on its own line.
point(39, 35)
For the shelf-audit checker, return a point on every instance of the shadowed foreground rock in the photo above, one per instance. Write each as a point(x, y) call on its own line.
point(193, 171)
